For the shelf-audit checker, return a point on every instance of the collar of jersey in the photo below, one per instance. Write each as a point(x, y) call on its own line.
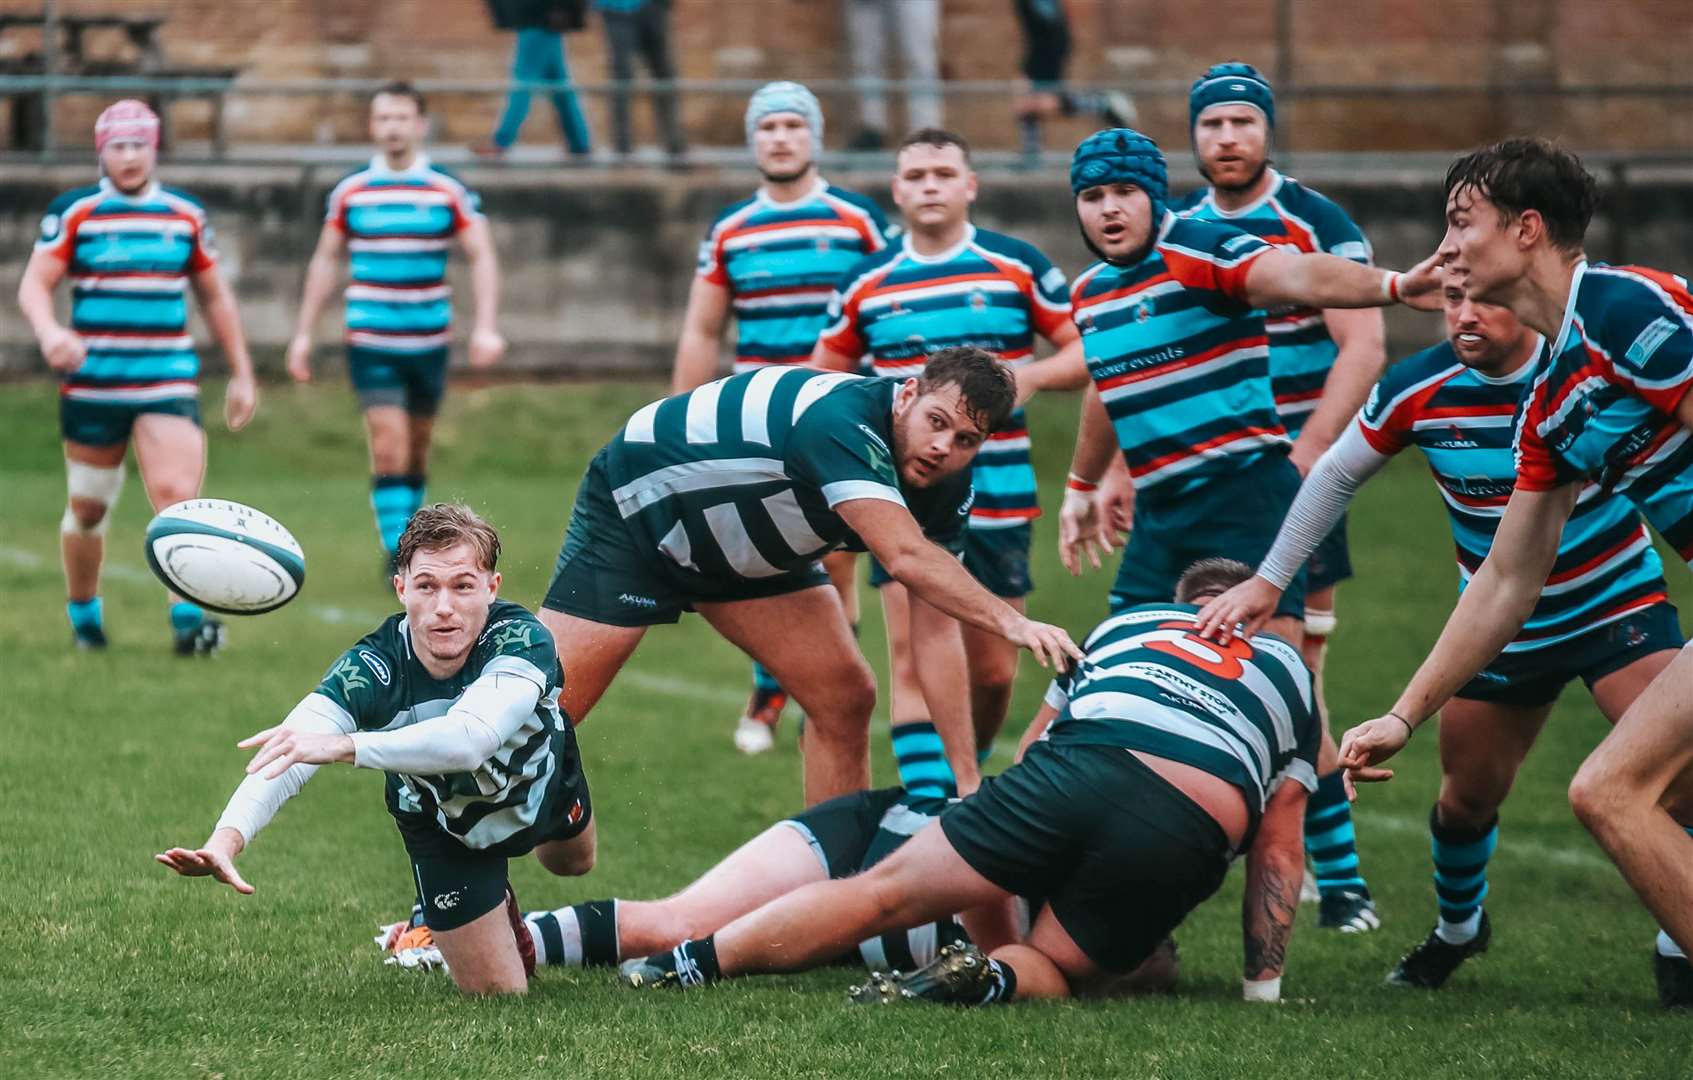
point(1522, 374)
point(946, 256)
point(1562, 340)
point(146, 194)
point(1276, 181)
point(379, 164)
point(816, 192)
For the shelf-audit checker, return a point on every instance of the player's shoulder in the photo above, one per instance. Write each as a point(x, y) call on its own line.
point(735, 211)
point(1307, 202)
point(1621, 295)
point(513, 630)
point(68, 199)
point(1195, 235)
point(1012, 247)
point(862, 203)
point(182, 202)
point(373, 664)
point(1192, 202)
point(1435, 362)
point(870, 264)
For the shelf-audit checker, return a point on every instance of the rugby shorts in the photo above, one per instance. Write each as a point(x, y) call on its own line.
point(109, 423)
point(1537, 676)
point(415, 382)
point(998, 558)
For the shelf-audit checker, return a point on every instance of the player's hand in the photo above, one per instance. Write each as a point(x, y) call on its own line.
point(216, 860)
point(1420, 287)
point(1050, 644)
point(63, 348)
point(1082, 530)
point(240, 398)
point(1116, 501)
point(1304, 455)
point(486, 348)
point(1242, 610)
point(281, 747)
point(300, 358)
point(1365, 747)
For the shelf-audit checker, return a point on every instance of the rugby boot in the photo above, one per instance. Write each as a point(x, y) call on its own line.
point(89, 638)
point(1430, 964)
point(410, 945)
point(882, 988)
point(676, 969)
point(1349, 911)
point(1674, 975)
point(755, 733)
point(958, 975)
point(203, 640)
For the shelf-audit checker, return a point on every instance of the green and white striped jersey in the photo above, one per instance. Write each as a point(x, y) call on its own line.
point(1243, 710)
point(380, 686)
point(739, 478)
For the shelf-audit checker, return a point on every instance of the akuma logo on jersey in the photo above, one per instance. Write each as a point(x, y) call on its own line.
point(513, 632)
point(349, 674)
point(376, 666)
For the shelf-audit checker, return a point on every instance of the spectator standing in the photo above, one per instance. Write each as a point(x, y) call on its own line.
point(539, 57)
point(641, 28)
point(1046, 42)
point(916, 26)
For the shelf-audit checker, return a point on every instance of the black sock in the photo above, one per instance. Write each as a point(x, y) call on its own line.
point(1005, 982)
point(597, 920)
point(696, 961)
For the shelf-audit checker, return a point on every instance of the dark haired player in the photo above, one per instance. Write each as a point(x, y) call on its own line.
point(397, 218)
point(1149, 767)
point(457, 699)
point(722, 500)
point(1609, 404)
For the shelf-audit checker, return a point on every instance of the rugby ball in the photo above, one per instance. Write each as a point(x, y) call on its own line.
point(225, 556)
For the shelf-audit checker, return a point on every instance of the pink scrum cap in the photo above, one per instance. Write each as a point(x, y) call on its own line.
point(128, 120)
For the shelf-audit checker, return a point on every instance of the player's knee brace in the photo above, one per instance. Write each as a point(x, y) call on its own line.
point(1319, 624)
point(91, 483)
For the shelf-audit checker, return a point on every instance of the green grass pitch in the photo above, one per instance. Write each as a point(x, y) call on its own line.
point(110, 966)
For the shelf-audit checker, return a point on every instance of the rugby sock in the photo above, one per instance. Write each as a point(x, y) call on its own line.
point(185, 618)
point(696, 961)
point(1460, 874)
point(1004, 982)
point(85, 615)
point(921, 759)
point(415, 485)
point(391, 499)
point(583, 935)
point(1329, 839)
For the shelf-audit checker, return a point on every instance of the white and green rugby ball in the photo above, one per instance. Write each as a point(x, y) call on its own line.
point(225, 556)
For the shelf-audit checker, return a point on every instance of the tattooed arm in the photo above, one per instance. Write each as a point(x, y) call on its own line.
point(1275, 868)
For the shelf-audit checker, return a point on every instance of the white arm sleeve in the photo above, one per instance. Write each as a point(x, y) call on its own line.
point(1322, 499)
point(257, 800)
point(490, 711)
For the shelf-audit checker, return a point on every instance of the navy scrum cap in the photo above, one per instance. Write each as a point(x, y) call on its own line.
point(1232, 83)
point(1121, 156)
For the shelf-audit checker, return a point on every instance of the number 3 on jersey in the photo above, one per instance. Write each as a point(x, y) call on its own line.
point(1223, 660)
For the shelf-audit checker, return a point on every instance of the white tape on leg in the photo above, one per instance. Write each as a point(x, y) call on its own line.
point(93, 483)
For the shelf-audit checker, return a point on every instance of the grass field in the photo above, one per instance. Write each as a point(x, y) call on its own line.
point(111, 966)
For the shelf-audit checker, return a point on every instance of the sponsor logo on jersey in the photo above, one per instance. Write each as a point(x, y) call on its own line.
point(376, 666)
point(637, 601)
point(1656, 333)
point(514, 632)
point(969, 501)
point(349, 674)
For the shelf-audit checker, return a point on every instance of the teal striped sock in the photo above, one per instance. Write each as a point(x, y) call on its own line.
point(1460, 874)
point(1329, 839)
point(185, 617)
point(921, 759)
point(416, 483)
point(391, 499)
point(85, 615)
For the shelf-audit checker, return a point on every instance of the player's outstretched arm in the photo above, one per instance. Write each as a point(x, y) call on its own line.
point(1082, 529)
point(1320, 280)
point(215, 860)
point(217, 303)
point(321, 275)
point(486, 344)
point(1493, 607)
point(702, 329)
point(60, 345)
point(893, 536)
point(1275, 869)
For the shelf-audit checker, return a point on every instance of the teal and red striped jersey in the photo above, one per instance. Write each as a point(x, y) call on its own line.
point(1293, 217)
point(1603, 405)
point(780, 263)
point(400, 225)
point(1181, 357)
point(129, 259)
point(991, 291)
point(1461, 420)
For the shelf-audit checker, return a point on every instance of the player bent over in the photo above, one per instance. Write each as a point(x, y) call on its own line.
point(396, 219)
point(1173, 328)
point(456, 700)
point(722, 500)
point(129, 374)
point(1603, 617)
point(1609, 404)
point(1159, 758)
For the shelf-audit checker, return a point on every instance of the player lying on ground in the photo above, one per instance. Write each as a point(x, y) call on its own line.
point(1173, 329)
point(1149, 767)
point(947, 282)
point(1604, 616)
point(833, 840)
point(456, 700)
point(722, 500)
point(771, 259)
point(1610, 404)
point(131, 248)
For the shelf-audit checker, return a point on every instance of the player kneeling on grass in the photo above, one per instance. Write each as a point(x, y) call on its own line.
point(1148, 769)
point(457, 701)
